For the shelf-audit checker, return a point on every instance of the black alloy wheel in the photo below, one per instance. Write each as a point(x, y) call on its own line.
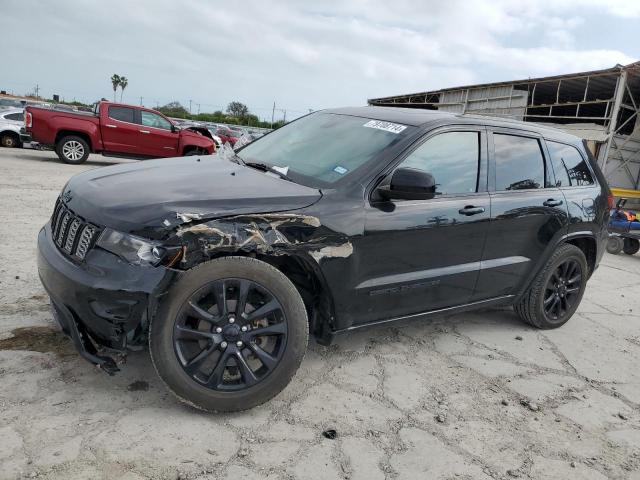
point(230, 334)
point(562, 290)
point(556, 291)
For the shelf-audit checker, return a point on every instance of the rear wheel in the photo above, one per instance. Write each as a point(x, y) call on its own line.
point(614, 245)
point(556, 291)
point(73, 149)
point(631, 246)
point(229, 335)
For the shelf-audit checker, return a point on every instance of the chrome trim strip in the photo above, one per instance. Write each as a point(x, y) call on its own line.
point(441, 272)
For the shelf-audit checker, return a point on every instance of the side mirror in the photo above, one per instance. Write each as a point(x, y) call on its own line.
point(174, 129)
point(409, 184)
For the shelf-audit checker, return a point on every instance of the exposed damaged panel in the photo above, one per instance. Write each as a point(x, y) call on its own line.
point(273, 234)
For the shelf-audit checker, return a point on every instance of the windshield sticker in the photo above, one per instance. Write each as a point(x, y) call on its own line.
point(386, 126)
point(340, 170)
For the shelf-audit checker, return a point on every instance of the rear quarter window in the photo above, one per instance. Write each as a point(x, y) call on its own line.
point(569, 166)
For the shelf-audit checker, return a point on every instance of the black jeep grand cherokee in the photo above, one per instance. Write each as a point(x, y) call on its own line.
point(342, 219)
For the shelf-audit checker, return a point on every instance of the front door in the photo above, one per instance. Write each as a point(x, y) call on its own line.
point(157, 139)
point(528, 212)
point(423, 255)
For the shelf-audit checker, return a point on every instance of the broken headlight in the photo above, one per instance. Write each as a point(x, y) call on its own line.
point(135, 250)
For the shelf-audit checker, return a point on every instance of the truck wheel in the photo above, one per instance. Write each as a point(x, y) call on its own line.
point(631, 246)
point(614, 245)
point(557, 290)
point(72, 149)
point(229, 335)
point(9, 140)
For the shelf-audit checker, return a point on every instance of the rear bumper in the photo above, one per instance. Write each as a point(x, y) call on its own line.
point(102, 300)
point(25, 137)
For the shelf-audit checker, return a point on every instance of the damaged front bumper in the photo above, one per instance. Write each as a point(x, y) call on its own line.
point(101, 302)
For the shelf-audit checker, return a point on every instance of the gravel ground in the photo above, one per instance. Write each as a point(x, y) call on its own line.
point(477, 395)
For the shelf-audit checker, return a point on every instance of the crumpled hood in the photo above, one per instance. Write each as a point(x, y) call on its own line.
point(152, 197)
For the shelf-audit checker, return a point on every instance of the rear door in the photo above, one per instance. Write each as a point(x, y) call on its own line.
point(424, 255)
point(120, 132)
point(157, 138)
point(528, 211)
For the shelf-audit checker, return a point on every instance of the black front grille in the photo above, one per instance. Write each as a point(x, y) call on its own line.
point(71, 234)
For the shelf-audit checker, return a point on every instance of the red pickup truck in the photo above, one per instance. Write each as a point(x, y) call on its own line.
point(114, 130)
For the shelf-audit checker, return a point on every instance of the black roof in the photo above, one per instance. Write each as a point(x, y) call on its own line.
point(421, 117)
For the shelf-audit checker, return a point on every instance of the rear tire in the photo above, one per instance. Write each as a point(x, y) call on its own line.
point(631, 246)
point(206, 354)
point(72, 149)
point(614, 245)
point(557, 290)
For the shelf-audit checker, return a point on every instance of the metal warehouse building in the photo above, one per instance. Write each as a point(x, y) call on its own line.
point(601, 106)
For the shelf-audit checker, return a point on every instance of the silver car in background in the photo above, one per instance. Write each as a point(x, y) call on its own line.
point(11, 121)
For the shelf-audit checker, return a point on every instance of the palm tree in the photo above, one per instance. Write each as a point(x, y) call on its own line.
point(115, 82)
point(123, 84)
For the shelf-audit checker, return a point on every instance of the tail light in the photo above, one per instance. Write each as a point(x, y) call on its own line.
point(611, 200)
point(28, 120)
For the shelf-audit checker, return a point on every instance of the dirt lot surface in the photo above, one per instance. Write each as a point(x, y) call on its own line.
point(475, 396)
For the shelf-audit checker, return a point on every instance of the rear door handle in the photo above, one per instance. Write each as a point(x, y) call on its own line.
point(111, 126)
point(145, 131)
point(470, 210)
point(552, 202)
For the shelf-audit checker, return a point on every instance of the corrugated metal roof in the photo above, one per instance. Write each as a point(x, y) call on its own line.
point(612, 70)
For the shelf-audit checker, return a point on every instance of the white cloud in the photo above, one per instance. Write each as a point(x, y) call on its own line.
point(299, 54)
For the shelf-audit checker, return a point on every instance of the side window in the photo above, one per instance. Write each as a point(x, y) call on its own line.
point(453, 160)
point(122, 113)
point(569, 166)
point(519, 162)
point(15, 116)
point(152, 120)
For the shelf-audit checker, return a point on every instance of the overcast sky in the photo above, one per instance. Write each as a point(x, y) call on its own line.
point(302, 55)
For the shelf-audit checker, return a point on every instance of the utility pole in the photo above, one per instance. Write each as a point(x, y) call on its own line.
point(140, 101)
point(198, 108)
point(284, 120)
point(273, 112)
point(190, 107)
point(37, 91)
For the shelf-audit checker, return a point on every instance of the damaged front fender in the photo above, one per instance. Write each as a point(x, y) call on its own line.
point(264, 234)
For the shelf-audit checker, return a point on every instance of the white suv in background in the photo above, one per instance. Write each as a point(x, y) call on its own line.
point(11, 121)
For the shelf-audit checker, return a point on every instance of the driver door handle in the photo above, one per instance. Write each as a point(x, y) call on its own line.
point(552, 202)
point(144, 131)
point(471, 210)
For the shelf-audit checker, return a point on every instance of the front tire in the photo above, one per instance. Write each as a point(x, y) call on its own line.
point(631, 246)
point(557, 290)
point(72, 149)
point(229, 335)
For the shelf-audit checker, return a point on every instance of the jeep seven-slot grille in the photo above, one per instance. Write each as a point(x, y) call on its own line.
point(71, 234)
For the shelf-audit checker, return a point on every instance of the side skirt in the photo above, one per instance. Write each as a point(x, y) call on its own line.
point(491, 302)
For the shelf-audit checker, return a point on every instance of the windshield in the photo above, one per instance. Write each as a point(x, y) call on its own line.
point(322, 148)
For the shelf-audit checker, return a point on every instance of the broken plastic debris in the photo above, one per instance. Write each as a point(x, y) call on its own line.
point(188, 217)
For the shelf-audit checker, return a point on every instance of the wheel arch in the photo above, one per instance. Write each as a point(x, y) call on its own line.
point(65, 133)
point(585, 241)
point(304, 273)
